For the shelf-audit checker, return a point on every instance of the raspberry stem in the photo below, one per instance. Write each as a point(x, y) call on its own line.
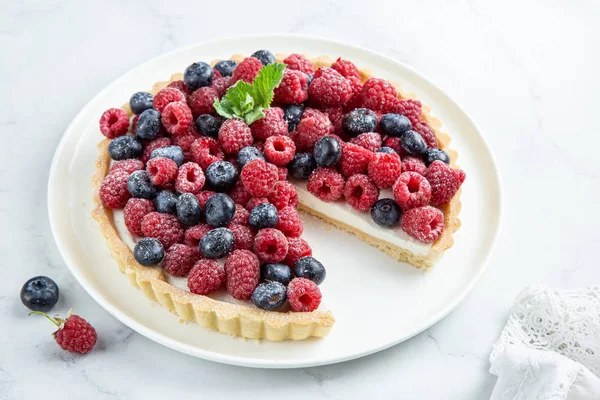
point(56, 321)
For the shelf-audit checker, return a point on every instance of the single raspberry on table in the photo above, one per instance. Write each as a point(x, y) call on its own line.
point(297, 248)
point(133, 213)
point(113, 191)
point(293, 88)
point(354, 160)
point(234, 135)
point(361, 192)
point(394, 144)
point(414, 164)
point(283, 195)
point(190, 178)
point(410, 108)
point(300, 63)
point(239, 194)
point(201, 101)
point(247, 70)
point(330, 89)
point(279, 150)
point(428, 135)
point(259, 177)
point(114, 122)
point(378, 95)
point(203, 196)
point(326, 183)
point(270, 245)
point(423, 223)
point(384, 169)
point(244, 236)
point(166, 96)
point(289, 222)
point(193, 234)
point(74, 333)
point(149, 147)
point(129, 165)
point(411, 190)
point(312, 126)
point(177, 118)
point(272, 124)
point(205, 277)
point(161, 170)
point(220, 85)
point(164, 227)
point(179, 259)
point(282, 172)
point(444, 182)
point(242, 269)
point(241, 216)
point(345, 68)
point(181, 86)
point(369, 140)
point(303, 295)
point(254, 201)
point(205, 151)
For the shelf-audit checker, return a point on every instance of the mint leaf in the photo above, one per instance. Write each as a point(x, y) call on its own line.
point(267, 80)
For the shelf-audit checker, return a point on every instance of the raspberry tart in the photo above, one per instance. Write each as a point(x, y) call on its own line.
point(200, 181)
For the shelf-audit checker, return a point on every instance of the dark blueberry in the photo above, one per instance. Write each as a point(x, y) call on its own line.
point(149, 125)
point(208, 125)
point(40, 294)
point(124, 147)
point(386, 213)
point(385, 149)
point(263, 216)
point(139, 185)
point(327, 151)
point(413, 143)
point(219, 210)
point(359, 121)
point(248, 154)
point(217, 243)
point(226, 67)
point(148, 252)
point(276, 273)
point(394, 124)
point(310, 78)
point(173, 152)
point(221, 176)
point(432, 155)
point(302, 165)
point(140, 102)
point(310, 268)
point(269, 296)
point(188, 209)
point(197, 75)
point(166, 202)
point(292, 115)
point(264, 56)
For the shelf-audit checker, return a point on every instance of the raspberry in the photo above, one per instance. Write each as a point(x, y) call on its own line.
point(394, 144)
point(243, 273)
point(326, 183)
point(411, 190)
point(313, 126)
point(241, 216)
point(297, 248)
point(346, 68)
point(279, 150)
point(177, 118)
point(206, 277)
point(179, 259)
point(357, 85)
point(239, 194)
point(444, 182)
point(76, 335)
point(185, 141)
point(335, 115)
point(303, 295)
point(410, 108)
point(203, 196)
point(149, 147)
point(299, 63)
point(289, 222)
point(414, 164)
point(427, 134)
point(190, 178)
point(259, 177)
point(326, 72)
point(113, 191)
point(360, 192)
point(284, 194)
point(424, 223)
point(254, 201)
point(216, 74)
point(114, 122)
point(166, 96)
point(384, 169)
point(220, 85)
point(259, 145)
point(244, 237)
point(129, 166)
point(134, 123)
point(354, 160)
point(370, 140)
point(247, 70)
point(270, 245)
point(164, 227)
point(193, 234)
point(201, 101)
point(330, 90)
point(378, 95)
point(282, 172)
point(293, 88)
point(133, 213)
point(161, 170)
point(234, 135)
point(181, 86)
point(272, 124)
point(205, 151)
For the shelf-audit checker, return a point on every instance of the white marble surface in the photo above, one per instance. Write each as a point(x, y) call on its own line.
point(526, 72)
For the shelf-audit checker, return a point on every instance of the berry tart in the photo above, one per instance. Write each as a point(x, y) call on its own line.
point(200, 181)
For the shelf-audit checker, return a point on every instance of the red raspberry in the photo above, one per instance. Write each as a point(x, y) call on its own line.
point(413, 164)
point(244, 237)
point(289, 222)
point(411, 190)
point(346, 68)
point(303, 295)
point(297, 248)
point(166, 96)
point(164, 227)
point(206, 277)
point(293, 88)
point(149, 147)
point(161, 170)
point(234, 135)
point(216, 74)
point(378, 95)
point(284, 194)
point(177, 118)
point(385, 169)
point(360, 192)
point(282, 172)
point(179, 259)
point(193, 234)
point(326, 72)
point(326, 183)
point(370, 140)
point(330, 90)
point(241, 216)
point(423, 223)
point(75, 334)
point(181, 86)
point(114, 122)
point(279, 150)
point(444, 182)
point(394, 143)
point(259, 177)
point(272, 124)
point(201, 101)
point(410, 108)
point(427, 134)
point(247, 70)
point(203, 196)
point(335, 115)
point(357, 85)
point(220, 85)
point(133, 213)
point(190, 178)
point(185, 141)
point(313, 126)
point(243, 273)
point(259, 145)
point(113, 191)
point(270, 245)
point(254, 201)
point(134, 123)
point(205, 151)
point(299, 63)
point(129, 165)
point(354, 160)
point(239, 194)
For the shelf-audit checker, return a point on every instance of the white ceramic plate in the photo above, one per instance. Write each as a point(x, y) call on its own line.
point(377, 301)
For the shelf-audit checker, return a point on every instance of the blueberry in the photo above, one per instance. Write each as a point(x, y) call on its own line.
point(219, 210)
point(276, 273)
point(149, 125)
point(221, 176)
point(413, 143)
point(269, 296)
point(263, 216)
point(139, 185)
point(217, 243)
point(310, 268)
point(359, 121)
point(302, 165)
point(197, 75)
point(166, 202)
point(124, 147)
point(173, 152)
point(386, 213)
point(432, 155)
point(226, 67)
point(188, 209)
point(248, 154)
point(310, 78)
point(208, 125)
point(385, 149)
point(140, 102)
point(40, 294)
point(292, 115)
point(327, 151)
point(264, 56)
point(394, 124)
point(148, 252)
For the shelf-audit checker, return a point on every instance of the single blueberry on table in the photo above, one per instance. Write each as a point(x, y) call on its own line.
point(197, 75)
point(149, 124)
point(124, 147)
point(302, 166)
point(148, 252)
point(208, 125)
point(221, 176)
point(264, 56)
point(386, 213)
point(217, 243)
point(269, 296)
point(140, 186)
point(360, 120)
point(432, 155)
point(263, 216)
point(226, 67)
point(40, 294)
point(140, 102)
point(173, 152)
point(188, 209)
point(327, 151)
point(310, 268)
point(166, 202)
point(281, 273)
point(219, 210)
point(413, 143)
point(394, 124)
point(248, 154)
